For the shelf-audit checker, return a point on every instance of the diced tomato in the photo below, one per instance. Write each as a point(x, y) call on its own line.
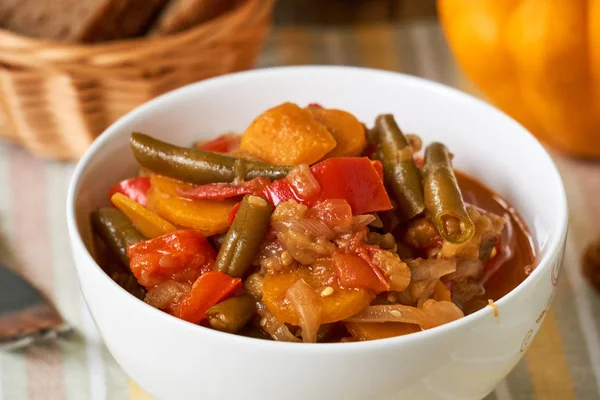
point(225, 143)
point(222, 191)
point(209, 289)
point(182, 255)
point(135, 188)
point(355, 179)
point(316, 105)
point(354, 272)
point(366, 252)
point(334, 212)
point(233, 212)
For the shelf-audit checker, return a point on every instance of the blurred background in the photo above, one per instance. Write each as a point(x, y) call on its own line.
point(65, 75)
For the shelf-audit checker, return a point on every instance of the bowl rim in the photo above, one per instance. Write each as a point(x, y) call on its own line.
point(554, 246)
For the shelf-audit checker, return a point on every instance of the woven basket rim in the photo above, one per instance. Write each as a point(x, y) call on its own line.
point(20, 41)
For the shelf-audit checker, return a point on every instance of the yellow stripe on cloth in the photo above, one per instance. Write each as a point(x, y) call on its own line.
point(137, 393)
point(547, 364)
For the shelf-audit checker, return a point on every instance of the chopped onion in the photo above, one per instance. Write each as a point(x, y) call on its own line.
point(362, 221)
point(466, 268)
point(166, 293)
point(427, 292)
point(505, 254)
point(433, 269)
point(296, 250)
point(306, 302)
point(436, 313)
point(466, 289)
point(312, 227)
point(336, 213)
point(272, 326)
point(303, 248)
point(388, 313)
point(394, 268)
point(303, 180)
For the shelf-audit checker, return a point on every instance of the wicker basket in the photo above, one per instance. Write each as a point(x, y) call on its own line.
point(56, 98)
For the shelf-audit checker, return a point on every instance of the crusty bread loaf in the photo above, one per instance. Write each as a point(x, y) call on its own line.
point(78, 20)
point(180, 15)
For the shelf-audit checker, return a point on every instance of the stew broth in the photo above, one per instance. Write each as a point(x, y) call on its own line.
point(517, 259)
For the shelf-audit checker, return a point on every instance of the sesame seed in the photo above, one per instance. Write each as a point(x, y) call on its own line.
point(493, 253)
point(395, 313)
point(263, 322)
point(328, 291)
point(392, 298)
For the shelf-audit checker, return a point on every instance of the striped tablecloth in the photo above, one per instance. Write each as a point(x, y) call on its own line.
point(562, 363)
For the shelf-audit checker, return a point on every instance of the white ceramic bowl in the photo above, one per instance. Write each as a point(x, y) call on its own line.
point(173, 359)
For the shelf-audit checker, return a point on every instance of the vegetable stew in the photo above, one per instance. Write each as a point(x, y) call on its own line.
point(310, 227)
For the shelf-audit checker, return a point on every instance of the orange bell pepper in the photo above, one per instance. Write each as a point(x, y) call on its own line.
point(207, 216)
point(145, 221)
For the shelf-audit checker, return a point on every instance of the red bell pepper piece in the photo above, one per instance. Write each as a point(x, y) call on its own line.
point(181, 255)
point(225, 143)
point(354, 179)
point(209, 289)
point(135, 188)
point(222, 191)
point(354, 272)
point(378, 167)
point(280, 191)
point(233, 213)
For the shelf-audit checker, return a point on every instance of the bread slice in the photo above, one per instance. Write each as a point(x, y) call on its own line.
point(78, 20)
point(180, 15)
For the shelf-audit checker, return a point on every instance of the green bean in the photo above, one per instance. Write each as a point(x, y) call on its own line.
point(244, 236)
point(254, 285)
point(400, 172)
point(443, 198)
point(116, 230)
point(128, 282)
point(232, 314)
point(198, 166)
